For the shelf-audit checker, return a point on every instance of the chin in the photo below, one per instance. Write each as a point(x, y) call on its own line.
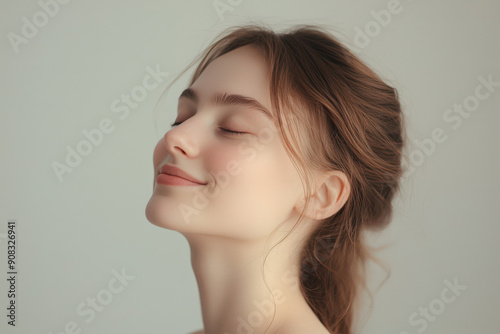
point(162, 215)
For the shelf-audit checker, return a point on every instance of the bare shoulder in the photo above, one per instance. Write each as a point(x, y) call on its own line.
point(201, 331)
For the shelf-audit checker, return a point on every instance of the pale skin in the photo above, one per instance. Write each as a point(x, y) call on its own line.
point(230, 236)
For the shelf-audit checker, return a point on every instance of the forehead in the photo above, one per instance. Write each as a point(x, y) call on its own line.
point(241, 71)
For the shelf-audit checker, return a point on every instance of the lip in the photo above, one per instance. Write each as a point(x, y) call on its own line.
point(175, 171)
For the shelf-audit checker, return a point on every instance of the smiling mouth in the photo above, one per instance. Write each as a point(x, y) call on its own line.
point(177, 172)
point(174, 180)
point(183, 178)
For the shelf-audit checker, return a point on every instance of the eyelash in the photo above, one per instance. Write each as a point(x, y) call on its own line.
point(222, 129)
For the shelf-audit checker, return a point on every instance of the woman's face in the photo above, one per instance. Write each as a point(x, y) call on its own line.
point(251, 184)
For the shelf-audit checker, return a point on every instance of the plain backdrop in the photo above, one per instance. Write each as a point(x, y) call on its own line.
point(74, 235)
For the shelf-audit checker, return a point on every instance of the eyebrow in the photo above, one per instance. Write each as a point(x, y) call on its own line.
point(225, 99)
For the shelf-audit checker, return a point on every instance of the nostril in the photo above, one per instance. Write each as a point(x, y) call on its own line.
point(177, 147)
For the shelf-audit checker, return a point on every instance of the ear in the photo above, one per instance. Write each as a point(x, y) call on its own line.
point(328, 197)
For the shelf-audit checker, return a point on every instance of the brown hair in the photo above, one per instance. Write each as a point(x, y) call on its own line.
point(354, 125)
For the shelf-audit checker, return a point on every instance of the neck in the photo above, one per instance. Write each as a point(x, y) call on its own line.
point(233, 292)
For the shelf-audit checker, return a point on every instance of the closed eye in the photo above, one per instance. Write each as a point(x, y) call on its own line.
point(231, 132)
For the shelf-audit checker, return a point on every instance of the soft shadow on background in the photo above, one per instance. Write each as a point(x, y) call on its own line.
point(86, 256)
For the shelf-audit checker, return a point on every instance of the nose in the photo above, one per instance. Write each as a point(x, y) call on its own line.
point(180, 140)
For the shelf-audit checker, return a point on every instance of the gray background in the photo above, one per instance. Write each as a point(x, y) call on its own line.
point(73, 234)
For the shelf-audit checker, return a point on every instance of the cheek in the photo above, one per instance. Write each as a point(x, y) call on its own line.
point(253, 196)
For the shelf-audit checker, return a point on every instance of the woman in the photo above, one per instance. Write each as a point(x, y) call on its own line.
point(285, 147)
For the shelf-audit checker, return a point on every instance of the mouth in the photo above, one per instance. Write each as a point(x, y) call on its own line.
point(172, 180)
point(176, 175)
